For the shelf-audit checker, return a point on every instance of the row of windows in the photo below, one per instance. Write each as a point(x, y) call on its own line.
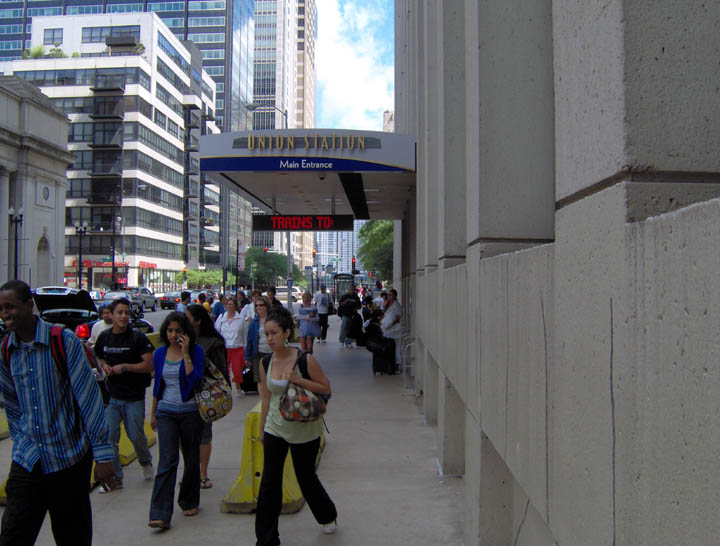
point(174, 22)
point(213, 54)
point(134, 131)
point(99, 244)
point(131, 159)
point(124, 8)
point(206, 21)
point(11, 29)
point(167, 99)
point(171, 76)
point(10, 44)
point(207, 38)
point(152, 220)
point(82, 76)
point(11, 13)
point(83, 10)
point(215, 71)
point(204, 5)
point(81, 188)
point(84, 105)
point(173, 53)
point(43, 12)
point(96, 35)
point(166, 6)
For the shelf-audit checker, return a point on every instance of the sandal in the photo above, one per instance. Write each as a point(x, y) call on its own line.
point(190, 512)
point(205, 483)
point(158, 524)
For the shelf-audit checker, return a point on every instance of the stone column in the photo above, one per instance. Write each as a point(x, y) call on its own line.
point(4, 224)
point(451, 428)
point(430, 396)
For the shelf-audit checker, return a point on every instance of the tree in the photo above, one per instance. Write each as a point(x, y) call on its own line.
point(197, 278)
point(266, 267)
point(56, 53)
point(376, 247)
point(37, 52)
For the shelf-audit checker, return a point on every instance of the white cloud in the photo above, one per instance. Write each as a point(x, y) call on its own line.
point(354, 61)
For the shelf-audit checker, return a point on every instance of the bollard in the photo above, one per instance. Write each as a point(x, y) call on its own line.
point(242, 497)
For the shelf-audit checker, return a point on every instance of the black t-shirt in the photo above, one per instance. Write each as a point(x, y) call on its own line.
point(125, 348)
point(349, 303)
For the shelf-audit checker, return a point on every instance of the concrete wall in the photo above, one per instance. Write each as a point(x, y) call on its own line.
point(573, 342)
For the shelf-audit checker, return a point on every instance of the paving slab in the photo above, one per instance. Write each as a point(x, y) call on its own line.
point(379, 466)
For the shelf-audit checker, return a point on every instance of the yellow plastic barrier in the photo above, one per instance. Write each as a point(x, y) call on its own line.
point(4, 429)
point(242, 497)
point(154, 338)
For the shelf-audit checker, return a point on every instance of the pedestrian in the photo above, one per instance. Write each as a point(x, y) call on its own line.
point(54, 444)
point(217, 308)
point(178, 365)
point(274, 302)
point(233, 330)
point(184, 301)
point(347, 307)
point(104, 323)
point(279, 435)
point(214, 347)
point(243, 300)
point(309, 323)
point(126, 357)
point(391, 326)
point(256, 346)
point(322, 300)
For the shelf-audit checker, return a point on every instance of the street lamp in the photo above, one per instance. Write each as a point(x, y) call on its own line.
point(113, 275)
point(16, 217)
point(256, 106)
point(80, 230)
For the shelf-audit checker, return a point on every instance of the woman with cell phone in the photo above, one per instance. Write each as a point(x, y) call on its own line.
point(178, 368)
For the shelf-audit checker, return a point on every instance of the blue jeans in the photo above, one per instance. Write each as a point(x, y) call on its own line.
point(132, 414)
point(345, 329)
point(176, 432)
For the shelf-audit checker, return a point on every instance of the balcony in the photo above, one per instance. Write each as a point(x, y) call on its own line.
point(106, 191)
point(108, 82)
point(193, 121)
point(193, 145)
point(108, 108)
point(192, 102)
point(192, 166)
point(106, 169)
point(105, 139)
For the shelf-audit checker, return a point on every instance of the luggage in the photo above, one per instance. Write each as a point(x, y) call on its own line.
point(248, 381)
point(356, 330)
point(384, 360)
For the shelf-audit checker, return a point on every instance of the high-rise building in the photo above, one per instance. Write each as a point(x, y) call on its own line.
point(306, 39)
point(223, 30)
point(138, 100)
point(338, 248)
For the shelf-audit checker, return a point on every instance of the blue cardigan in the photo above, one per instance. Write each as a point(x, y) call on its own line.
point(187, 382)
point(251, 346)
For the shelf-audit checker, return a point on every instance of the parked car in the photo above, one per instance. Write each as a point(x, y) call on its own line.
point(97, 295)
point(110, 296)
point(170, 299)
point(55, 290)
point(146, 300)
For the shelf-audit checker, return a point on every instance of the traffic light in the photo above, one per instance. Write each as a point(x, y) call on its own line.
point(184, 274)
point(354, 271)
point(369, 273)
point(353, 262)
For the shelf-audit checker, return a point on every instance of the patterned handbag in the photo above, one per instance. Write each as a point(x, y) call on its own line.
point(300, 404)
point(213, 395)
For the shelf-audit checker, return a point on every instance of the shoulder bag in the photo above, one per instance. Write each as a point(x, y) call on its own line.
point(298, 403)
point(213, 395)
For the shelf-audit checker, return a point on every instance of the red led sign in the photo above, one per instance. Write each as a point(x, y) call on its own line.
point(303, 222)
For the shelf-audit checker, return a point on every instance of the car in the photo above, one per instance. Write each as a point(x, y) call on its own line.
point(55, 290)
point(194, 295)
point(97, 295)
point(170, 299)
point(108, 297)
point(145, 299)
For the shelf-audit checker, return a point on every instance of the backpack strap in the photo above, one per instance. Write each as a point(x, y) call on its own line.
point(302, 363)
point(57, 348)
point(5, 348)
point(266, 363)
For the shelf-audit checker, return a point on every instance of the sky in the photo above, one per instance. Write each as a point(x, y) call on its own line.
point(354, 59)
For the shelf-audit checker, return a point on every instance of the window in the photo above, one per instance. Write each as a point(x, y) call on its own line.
point(166, 6)
point(172, 128)
point(219, 104)
point(84, 10)
point(160, 119)
point(40, 12)
point(53, 36)
point(173, 53)
point(206, 21)
point(80, 132)
point(215, 70)
point(171, 76)
point(217, 4)
point(124, 8)
point(10, 29)
point(207, 38)
point(97, 35)
point(10, 44)
point(83, 160)
point(213, 54)
point(220, 87)
point(174, 22)
point(11, 13)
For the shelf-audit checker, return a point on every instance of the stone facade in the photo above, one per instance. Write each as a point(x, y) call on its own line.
point(560, 263)
point(33, 164)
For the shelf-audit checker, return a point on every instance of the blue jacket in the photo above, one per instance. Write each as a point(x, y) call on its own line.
point(251, 346)
point(187, 382)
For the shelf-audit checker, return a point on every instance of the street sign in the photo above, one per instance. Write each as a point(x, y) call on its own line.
point(302, 222)
point(289, 282)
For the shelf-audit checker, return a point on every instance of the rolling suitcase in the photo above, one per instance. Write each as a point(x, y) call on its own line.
point(248, 381)
point(384, 361)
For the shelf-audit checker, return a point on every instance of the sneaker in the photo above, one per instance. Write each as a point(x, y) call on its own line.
point(116, 485)
point(349, 344)
point(329, 528)
point(148, 472)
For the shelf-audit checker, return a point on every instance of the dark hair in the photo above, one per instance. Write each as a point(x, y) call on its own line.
point(118, 301)
point(272, 290)
point(185, 325)
point(206, 327)
point(184, 295)
point(202, 298)
point(234, 300)
point(21, 289)
point(282, 317)
point(393, 292)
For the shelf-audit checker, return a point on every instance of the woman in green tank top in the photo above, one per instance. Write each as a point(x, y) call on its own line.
point(278, 435)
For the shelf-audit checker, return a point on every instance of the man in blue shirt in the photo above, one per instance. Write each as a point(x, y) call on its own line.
point(184, 302)
point(57, 424)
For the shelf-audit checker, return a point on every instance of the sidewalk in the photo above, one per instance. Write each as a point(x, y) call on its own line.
point(379, 467)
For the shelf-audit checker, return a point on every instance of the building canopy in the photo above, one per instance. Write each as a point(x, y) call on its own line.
point(368, 174)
